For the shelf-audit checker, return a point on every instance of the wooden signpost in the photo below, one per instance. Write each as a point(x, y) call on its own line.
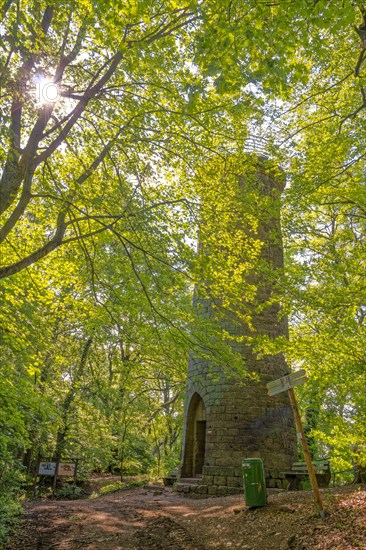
point(288, 383)
point(55, 468)
point(46, 468)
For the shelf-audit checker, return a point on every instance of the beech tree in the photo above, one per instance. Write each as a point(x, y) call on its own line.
point(96, 98)
point(99, 97)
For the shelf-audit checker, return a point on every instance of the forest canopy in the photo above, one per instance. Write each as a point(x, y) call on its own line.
point(115, 116)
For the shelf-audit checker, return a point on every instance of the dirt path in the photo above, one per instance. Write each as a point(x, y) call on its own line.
point(140, 519)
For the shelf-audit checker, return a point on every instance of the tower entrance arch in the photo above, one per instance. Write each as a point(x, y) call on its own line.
point(195, 443)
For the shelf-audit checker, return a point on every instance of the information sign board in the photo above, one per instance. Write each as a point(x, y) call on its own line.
point(66, 469)
point(47, 468)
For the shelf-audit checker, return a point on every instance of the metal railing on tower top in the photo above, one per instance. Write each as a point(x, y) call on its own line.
point(257, 144)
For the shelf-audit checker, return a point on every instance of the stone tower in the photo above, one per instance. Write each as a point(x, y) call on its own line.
point(225, 420)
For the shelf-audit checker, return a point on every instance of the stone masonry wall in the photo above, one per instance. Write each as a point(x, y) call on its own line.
point(242, 420)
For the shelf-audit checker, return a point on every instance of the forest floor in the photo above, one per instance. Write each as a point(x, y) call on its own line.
point(149, 518)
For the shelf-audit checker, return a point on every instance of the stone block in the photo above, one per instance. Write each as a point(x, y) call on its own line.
point(222, 490)
point(201, 489)
point(228, 471)
point(207, 480)
point(272, 483)
point(226, 440)
point(222, 454)
point(223, 461)
point(234, 482)
point(219, 424)
point(219, 432)
point(212, 490)
point(214, 471)
point(233, 431)
point(219, 480)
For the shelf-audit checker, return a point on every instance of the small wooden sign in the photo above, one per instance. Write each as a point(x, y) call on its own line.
point(66, 469)
point(286, 382)
point(47, 468)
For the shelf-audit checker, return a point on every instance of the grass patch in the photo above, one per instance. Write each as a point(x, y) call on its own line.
point(69, 491)
point(10, 510)
point(118, 486)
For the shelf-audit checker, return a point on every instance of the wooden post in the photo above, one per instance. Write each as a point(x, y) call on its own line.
point(305, 448)
point(55, 478)
point(35, 480)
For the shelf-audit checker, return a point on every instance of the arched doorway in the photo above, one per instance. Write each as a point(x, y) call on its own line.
point(195, 442)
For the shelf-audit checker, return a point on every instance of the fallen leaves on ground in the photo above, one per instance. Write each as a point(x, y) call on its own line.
point(141, 520)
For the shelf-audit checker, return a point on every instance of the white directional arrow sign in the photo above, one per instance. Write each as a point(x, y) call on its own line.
point(286, 382)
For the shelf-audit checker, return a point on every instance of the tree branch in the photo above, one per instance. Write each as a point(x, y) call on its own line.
point(79, 109)
point(15, 169)
point(55, 242)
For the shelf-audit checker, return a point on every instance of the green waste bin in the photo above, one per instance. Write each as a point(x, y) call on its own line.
point(254, 482)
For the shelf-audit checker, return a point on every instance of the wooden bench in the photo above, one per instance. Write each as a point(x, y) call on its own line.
point(299, 471)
